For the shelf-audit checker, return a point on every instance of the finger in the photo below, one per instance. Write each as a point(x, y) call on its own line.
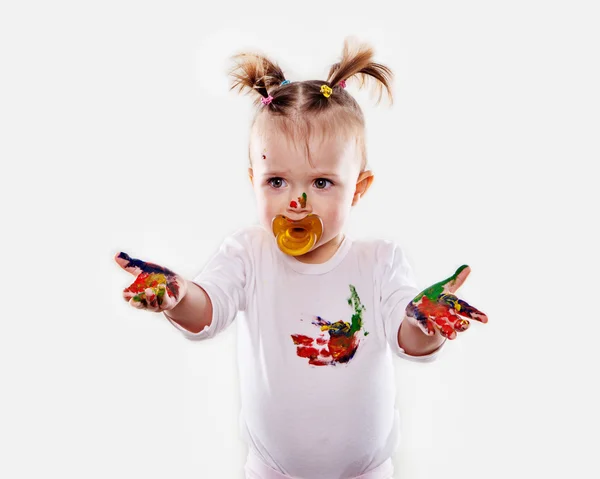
point(445, 320)
point(137, 266)
point(169, 302)
point(445, 323)
point(166, 300)
point(151, 299)
point(461, 325)
point(449, 304)
point(446, 329)
point(447, 300)
point(161, 296)
point(465, 309)
point(137, 301)
point(457, 279)
point(128, 294)
point(129, 264)
point(448, 285)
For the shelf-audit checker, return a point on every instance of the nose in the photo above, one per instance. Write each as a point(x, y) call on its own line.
point(299, 205)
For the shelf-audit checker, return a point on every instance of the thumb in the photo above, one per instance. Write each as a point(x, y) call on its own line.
point(137, 266)
point(129, 264)
point(457, 279)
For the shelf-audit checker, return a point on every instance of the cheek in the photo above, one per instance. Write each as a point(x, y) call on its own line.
point(336, 204)
point(267, 205)
point(339, 215)
point(334, 211)
point(267, 200)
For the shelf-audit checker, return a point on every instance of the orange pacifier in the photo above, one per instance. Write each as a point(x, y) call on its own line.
point(297, 237)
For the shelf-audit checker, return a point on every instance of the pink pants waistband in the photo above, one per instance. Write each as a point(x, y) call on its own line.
point(256, 469)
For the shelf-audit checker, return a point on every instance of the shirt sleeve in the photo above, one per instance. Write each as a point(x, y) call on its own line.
point(398, 288)
point(224, 278)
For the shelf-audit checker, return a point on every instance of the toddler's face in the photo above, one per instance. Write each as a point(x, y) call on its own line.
point(281, 173)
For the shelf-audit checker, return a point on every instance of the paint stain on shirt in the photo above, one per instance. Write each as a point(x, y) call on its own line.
point(338, 342)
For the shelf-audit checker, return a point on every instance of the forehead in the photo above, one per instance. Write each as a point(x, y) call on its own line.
point(274, 150)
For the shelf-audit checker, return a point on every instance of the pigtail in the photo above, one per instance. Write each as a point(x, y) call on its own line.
point(357, 61)
point(256, 73)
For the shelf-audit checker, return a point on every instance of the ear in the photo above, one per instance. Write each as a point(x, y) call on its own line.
point(363, 183)
point(251, 176)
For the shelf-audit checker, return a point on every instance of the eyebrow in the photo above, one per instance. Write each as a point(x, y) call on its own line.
point(287, 172)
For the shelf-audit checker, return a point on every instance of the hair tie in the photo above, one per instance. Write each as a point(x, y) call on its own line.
point(284, 82)
point(266, 101)
point(326, 91)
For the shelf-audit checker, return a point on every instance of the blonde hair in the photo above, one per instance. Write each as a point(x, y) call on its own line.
point(299, 109)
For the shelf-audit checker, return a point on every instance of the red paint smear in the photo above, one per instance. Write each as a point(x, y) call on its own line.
point(440, 314)
point(300, 339)
point(316, 362)
point(304, 352)
point(342, 347)
point(293, 204)
point(339, 348)
point(431, 308)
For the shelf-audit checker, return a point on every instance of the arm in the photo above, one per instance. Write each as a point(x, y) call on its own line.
point(218, 292)
point(415, 343)
point(194, 312)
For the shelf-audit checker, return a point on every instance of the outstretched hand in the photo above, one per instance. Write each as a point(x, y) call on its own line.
point(155, 288)
point(436, 308)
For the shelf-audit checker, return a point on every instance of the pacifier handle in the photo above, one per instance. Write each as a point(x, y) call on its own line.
point(296, 238)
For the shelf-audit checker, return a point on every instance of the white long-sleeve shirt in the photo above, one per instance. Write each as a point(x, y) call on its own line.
point(315, 349)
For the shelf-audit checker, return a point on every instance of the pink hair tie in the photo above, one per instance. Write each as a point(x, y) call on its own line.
point(266, 101)
point(343, 83)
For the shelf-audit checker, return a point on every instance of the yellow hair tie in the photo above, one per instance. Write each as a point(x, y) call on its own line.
point(326, 91)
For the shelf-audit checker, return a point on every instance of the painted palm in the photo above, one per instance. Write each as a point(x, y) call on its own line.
point(438, 308)
point(149, 276)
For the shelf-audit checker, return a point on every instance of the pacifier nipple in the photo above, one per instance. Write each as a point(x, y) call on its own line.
point(297, 237)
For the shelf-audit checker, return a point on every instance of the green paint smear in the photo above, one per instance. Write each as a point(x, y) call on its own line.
point(141, 297)
point(161, 293)
point(433, 292)
point(357, 322)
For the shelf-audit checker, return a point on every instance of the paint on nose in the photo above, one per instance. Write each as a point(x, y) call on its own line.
point(302, 200)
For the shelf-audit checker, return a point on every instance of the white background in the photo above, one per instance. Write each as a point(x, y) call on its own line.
point(118, 133)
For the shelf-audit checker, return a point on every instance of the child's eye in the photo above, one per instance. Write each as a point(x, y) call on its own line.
point(275, 182)
point(321, 181)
